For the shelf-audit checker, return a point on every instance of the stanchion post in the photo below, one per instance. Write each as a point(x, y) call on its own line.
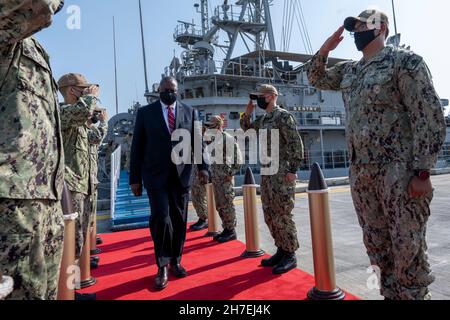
point(66, 290)
point(253, 249)
point(213, 216)
point(322, 243)
point(94, 249)
point(85, 265)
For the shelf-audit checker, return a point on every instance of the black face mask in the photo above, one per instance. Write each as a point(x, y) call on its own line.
point(61, 5)
point(95, 118)
point(262, 103)
point(168, 98)
point(364, 38)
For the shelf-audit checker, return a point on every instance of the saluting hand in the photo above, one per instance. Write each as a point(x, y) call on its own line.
point(103, 116)
point(332, 42)
point(250, 108)
point(92, 90)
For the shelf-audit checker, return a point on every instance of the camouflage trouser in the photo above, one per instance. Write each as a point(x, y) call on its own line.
point(82, 205)
point(224, 197)
point(127, 163)
point(199, 199)
point(93, 208)
point(278, 201)
point(31, 245)
point(394, 228)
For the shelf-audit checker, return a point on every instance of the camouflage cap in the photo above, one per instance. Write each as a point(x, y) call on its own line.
point(74, 80)
point(264, 90)
point(215, 122)
point(373, 18)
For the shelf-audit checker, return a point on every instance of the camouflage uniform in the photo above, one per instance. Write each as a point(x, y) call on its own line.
point(77, 175)
point(223, 188)
point(31, 154)
point(395, 125)
point(278, 196)
point(126, 150)
point(198, 194)
point(96, 135)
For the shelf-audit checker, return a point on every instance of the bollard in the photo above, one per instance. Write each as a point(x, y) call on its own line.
point(85, 265)
point(322, 244)
point(94, 249)
point(6, 286)
point(253, 249)
point(66, 291)
point(213, 216)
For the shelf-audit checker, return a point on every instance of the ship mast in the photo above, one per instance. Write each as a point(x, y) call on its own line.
point(253, 23)
point(395, 19)
point(395, 39)
point(115, 66)
point(147, 92)
point(204, 15)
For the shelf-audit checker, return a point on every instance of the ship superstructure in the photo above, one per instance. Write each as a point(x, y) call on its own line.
point(221, 87)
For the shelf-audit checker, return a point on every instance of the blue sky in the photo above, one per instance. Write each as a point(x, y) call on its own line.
point(89, 50)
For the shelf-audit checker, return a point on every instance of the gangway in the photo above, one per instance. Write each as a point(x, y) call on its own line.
point(127, 211)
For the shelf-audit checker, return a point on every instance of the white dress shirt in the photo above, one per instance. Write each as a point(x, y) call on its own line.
point(166, 112)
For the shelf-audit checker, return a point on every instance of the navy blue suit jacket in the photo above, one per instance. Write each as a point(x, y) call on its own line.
point(151, 150)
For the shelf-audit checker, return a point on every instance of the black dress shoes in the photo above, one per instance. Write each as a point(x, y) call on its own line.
point(226, 236)
point(287, 263)
point(162, 278)
point(200, 225)
point(178, 271)
point(94, 264)
point(85, 297)
point(217, 236)
point(274, 260)
point(99, 240)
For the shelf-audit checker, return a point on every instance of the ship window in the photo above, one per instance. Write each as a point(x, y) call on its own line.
point(188, 94)
point(336, 159)
point(444, 156)
point(199, 93)
point(234, 115)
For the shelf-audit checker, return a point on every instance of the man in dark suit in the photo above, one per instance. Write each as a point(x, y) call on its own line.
point(167, 184)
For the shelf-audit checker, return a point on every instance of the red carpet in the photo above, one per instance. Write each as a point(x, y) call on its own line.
point(215, 272)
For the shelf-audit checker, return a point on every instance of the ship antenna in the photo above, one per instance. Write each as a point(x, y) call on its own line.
point(147, 92)
point(115, 66)
point(395, 19)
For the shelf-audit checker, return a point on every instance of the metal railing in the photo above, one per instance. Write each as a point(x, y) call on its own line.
point(325, 118)
point(231, 13)
point(339, 159)
point(115, 176)
point(444, 157)
point(187, 30)
point(331, 159)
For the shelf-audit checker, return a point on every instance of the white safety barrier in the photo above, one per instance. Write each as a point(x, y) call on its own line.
point(115, 176)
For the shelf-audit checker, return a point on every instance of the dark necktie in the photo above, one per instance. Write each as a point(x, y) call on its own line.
point(171, 119)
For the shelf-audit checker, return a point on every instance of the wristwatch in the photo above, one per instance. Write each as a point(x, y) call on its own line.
point(423, 175)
